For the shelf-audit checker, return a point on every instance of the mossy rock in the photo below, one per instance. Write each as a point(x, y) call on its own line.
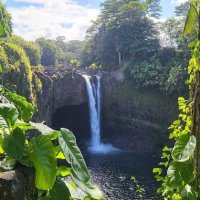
point(17, 75)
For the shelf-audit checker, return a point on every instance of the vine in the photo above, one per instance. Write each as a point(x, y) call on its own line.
point(179, 172)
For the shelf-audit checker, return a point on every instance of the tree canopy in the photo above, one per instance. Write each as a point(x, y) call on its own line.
point(122, 32)
point(5, 20)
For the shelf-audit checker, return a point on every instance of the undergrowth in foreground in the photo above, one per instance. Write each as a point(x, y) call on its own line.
point(181, 182)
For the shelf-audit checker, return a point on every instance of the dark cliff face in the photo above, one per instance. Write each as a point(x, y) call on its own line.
point(63, 101)
point(132, 118)
point(135, 118)
point(59, 89)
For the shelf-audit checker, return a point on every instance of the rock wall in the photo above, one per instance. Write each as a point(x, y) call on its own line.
point(132, 118)
point(59, 88)
point(135, 118)
point(18, 184)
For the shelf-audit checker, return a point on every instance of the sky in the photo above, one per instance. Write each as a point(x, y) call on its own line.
point(70, 18)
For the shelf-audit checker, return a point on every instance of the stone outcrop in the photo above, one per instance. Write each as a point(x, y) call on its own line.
point(17, 185)
point(60, 87)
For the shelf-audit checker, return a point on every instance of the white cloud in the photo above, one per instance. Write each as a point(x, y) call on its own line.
point(178, 2)
point(52, 18)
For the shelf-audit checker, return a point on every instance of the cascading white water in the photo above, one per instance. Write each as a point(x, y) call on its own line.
point(94, 96)
point(94, 115)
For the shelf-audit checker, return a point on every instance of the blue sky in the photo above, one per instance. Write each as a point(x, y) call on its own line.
point(70, 18)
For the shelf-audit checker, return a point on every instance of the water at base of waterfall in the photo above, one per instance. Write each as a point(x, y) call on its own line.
point(112, 173)
point(102, 149)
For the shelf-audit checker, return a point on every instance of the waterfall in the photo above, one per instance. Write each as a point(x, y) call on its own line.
point(94, 97)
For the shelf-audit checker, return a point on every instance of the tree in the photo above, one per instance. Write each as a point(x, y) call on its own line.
point(49, 53)
point(32, 50)
point(182, 9)
point(122, 32)
point(155, 9)
point(5, 20)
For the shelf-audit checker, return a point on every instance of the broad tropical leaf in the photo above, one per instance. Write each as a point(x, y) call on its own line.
point(184, 148)
point(23, 125)
point(14, 144)
point(25, 108)
point(45, 130)
point(43, 157)
point(91, 190)
point(189, 193)
point(191, 19)
point(59, 153)
point(63, 171)
point(9, 113)
point(73, 154)
point(180, 172)
point(60, 191)
point(79, 172)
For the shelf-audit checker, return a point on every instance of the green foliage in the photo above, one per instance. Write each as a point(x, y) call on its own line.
point(182, 9)
point(80, 173)
point(58, 52)
point(93, 66)
point(191, 18)
point(181, 180)
point(122, 30)
point(31, 49)
point(42, 155)
point(25, 108)
point(139, 189)
point(146, 74)
point(5, 21)
point(1, 29)
point(184, 148)
point(16, 140)
point(60, 191)
point(39, 151)
point(176, 79)
point(3, 59)
point(9, 113)
point(49, 54)
point(75, 63)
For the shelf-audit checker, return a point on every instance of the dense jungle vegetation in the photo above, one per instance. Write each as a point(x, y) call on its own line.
point(128, 37)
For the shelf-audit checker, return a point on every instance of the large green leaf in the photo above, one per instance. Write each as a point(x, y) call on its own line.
point(23, 125)
point(179, 172)
point(184, 148)
point(14, 144)
point(45, 130)
point(25, 108)
point(63, 171)
point(191, 19)
point(90, 189)
point(189, 193)
point(60, 191)
point(43, 156)
point(1, 29)
point(73, 154)
point(79, 172)
point(9, 113)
